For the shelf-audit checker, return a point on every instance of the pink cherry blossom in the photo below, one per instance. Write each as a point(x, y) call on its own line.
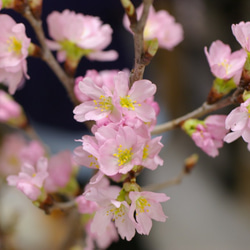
point(241, 32)
point(85, 206)
point(117, 211)
point(146, 206)
point(133, 101)
point(160, 25)
point(60, 167)
point(109, 209)
point(72, 31)
point(114, 101)
point(120, 153)
point(14, 46)
point(100, 105)
point(31, 178)
point(15, 151)
point(239, 122)
point(209, 136)
point(102, 78)
point(104, 240)
point(9, 109)
point(223, 63)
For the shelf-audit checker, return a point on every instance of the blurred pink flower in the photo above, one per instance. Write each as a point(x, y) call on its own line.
point(9, 109)
point(15, 151)
point(160, 25)
point(14, 46)
point(77, 33)
point(30, 179)
point(60, 167)
point(224, 64)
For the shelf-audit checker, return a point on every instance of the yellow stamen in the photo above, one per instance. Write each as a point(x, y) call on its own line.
point(141, 204)
point(104, 103)
point(124, 155)
point(14, 45)
point(126, 102)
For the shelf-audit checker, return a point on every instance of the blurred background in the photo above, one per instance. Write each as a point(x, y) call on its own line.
point(210, 209)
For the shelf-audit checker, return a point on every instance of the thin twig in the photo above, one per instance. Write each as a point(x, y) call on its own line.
point(166, 184)
point(138, 28)
point(48, 57)
point(199, 112)
point(62, 206)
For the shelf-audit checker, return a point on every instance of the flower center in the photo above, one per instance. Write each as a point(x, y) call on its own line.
point(124, 155)
point(225, 65)
point(118, 212)
point(14, 45)
point(145, 152)
point(94, 162)
point(141, 203)
point(126, 102)
point(104, 103)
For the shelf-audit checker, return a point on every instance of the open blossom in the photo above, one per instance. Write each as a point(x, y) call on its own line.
point(9, 109)
point(112, 150)
point(78, 35)
point(241, 32)
point(100, 105)
point(102, 78)
point(14, 46)
point(104, 240)
point(30, 179)
point(109, 210)
point(146, 206)
point(119, 213)
point(239, 122)
point(132, 101)
point(224, 64)
point(116, 100)
point(60, 168)
point(15, 150)
point(160, 25)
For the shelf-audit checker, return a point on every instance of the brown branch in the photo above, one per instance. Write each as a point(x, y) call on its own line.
point(48, 57)
point(199, 112)
point(137, 26)
point(166, 184)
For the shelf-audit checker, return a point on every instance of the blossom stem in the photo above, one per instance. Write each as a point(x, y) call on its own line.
point(62, 206)
point(204, 109)
point(48, 57)
point(166, 184)
point(138, 27)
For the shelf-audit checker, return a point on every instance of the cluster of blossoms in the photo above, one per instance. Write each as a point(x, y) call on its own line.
point(228, 68)
point(124, 113)
point(121, 146)
point(28, 168)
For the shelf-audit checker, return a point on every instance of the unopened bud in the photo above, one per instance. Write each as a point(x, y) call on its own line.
point(34, 50)
point(36, 7)
point(128, 6)
point(130, 11)
point(190, 162)
point(150, 47)
point(219, 89)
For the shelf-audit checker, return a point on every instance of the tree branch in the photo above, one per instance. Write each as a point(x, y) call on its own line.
point(199, 112)
point(48, 57)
